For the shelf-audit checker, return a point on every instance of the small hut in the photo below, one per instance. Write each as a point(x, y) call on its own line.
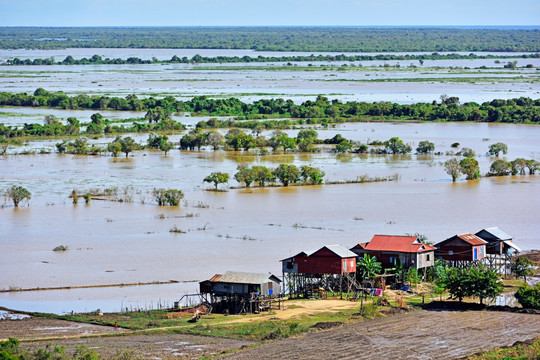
point(462, 250)
point(498, 242)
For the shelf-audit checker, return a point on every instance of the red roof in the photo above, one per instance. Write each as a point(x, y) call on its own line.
point(397, 243)
point(471, 239)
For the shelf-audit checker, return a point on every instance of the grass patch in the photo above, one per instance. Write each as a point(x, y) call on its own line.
point(518, 351)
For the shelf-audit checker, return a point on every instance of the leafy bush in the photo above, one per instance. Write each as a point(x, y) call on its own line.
point(529, 296)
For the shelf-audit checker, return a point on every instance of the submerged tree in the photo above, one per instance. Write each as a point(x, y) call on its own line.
point(425, 147)
point(170, 197)
point(495, 149)
point(17, 194)
point(500, 168)
point(396, 146)
point(453, 168)
point(217, 178)
point(470, 168)
point(287, 174)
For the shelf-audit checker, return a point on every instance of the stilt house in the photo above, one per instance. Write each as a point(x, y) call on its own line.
point(498, 242)
point(391, 250)
point(462, 249)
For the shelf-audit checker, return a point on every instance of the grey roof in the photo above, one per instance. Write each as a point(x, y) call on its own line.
point(244, 278)
point(341, 251)
point(512, 245)
point(495, 231)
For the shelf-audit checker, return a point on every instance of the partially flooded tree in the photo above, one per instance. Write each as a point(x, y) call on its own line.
point(495, 149)
point(262, 174)
point(453, 168)
point(128, 145)
point(425, 147)
point(245, 175)
point(17, 194)
point(532, 165)
point(396, 146)
point(287, 173)
point(311, 175)
point(518, 166)
point(499, 168)
point(470, 168)
point(170, 197)
point(217, 178)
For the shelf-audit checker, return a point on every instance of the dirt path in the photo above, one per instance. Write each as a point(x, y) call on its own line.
point(417, 335)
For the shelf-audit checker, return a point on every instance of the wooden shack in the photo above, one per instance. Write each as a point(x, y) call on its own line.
point(241, 284)
point(331, 267)
point(330, 259)
point(391, 250)
point(462, 249)
point(498, 242)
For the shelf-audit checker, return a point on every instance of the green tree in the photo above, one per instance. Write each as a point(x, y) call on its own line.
point(367, 268)
point(532, 165)
point(522, 266)
point(170, 197)
point(529, 296)
point(453, 168)
point(495, 149)
point(262, 174)
point(518, 166)
point(344, 146)
point(17, 194)
point(467, 152)
point(483, 283)
point(245, 175)
point(396, 146)
point(425, 147)
point(470, 168)
point(500, 168)
point(114, 147)
point(217, 178)
point(215, 139)
point(287, 173)
point(96, 124)
point(128, 145)
point(311, 175)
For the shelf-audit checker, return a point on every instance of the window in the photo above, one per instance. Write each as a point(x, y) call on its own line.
point(427, 257)
point(450, 252)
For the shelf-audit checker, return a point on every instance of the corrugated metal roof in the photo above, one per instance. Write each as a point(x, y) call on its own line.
point(512, 245)
point(498, 233)
point(340, 251)
point(398, 243)
point(244, 278)
point(471, 239)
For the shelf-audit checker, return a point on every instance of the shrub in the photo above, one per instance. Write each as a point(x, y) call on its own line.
point(529, 296)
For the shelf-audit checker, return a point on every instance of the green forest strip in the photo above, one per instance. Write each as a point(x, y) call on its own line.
point(286, 113)
point(198, 59)
point(334, 39)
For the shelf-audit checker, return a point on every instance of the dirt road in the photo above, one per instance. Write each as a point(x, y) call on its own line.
point(417, 335)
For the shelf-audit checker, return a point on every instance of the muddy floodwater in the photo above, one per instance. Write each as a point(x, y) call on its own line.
point(127, 238)
point(113, 242)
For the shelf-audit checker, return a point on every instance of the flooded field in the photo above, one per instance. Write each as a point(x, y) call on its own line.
point(369, 81)
point(112, 242)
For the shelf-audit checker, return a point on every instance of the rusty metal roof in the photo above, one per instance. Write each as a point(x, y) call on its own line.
point(397, 243)
point(471, 239)
point(244, 278)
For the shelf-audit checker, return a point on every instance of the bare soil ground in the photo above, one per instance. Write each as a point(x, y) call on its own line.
point(419, 334)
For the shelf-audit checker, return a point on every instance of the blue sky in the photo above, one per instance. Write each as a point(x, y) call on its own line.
point(271, 12)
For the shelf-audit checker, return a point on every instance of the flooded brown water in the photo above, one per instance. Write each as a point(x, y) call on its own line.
point(243, 229)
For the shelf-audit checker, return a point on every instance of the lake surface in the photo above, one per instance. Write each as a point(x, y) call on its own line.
point(240, 229)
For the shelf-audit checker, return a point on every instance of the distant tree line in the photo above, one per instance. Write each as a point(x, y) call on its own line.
point(332, 39)
point(198, 59)
point(322, 110)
